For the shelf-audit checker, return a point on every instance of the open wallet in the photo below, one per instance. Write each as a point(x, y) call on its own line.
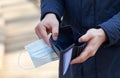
point(66, 54)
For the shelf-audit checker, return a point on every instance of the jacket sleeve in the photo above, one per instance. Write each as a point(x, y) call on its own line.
point(112, 29)
point(52, 6)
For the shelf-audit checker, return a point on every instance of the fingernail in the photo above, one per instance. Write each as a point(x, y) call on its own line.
point(49, 45)
point(80, 40)
point(72, 62)
point(55, 38)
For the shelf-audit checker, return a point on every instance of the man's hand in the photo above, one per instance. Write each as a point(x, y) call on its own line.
point(94, 39)
point(48, 25)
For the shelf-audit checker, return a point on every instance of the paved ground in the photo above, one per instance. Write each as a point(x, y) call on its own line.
point(20, 17)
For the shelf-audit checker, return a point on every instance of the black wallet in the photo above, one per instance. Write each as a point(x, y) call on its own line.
point(58, 50)
point(63, 44)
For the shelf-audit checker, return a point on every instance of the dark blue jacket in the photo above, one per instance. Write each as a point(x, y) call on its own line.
point(82, 15)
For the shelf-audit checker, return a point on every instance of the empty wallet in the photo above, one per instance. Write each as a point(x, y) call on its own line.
point(65, 48)
point(62, 54)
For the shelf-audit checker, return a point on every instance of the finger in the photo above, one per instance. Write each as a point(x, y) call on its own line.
point(83, 57)
point(55, 32)
point(80, 59)
point(88, 52)
point(37, 32)
point(44, 34)
point(85, 37)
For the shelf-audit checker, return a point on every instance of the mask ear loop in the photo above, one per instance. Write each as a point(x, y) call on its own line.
point(22, 66)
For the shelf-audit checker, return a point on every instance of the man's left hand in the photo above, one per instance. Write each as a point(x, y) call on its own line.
point(94, 39)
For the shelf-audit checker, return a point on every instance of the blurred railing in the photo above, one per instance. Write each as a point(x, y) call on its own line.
point(2, 46)
point(2, 32)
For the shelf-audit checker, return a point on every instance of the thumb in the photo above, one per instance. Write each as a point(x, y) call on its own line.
point(85, 38)
point(55, 32)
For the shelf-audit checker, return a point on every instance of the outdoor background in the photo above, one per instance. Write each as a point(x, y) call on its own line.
point(18, 19)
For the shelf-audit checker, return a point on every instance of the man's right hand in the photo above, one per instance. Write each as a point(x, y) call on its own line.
point(48, 25)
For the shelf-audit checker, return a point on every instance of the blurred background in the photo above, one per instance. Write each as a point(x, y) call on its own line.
point(18, 19)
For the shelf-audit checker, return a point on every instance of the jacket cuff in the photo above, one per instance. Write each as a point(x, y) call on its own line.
point(50, 10)
point(110, 32)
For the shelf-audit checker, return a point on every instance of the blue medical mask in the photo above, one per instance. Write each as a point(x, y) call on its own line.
point(40, 53)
